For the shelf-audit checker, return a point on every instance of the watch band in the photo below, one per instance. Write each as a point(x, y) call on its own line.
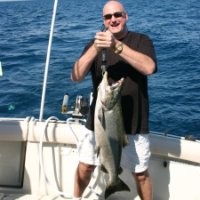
point(118, 48)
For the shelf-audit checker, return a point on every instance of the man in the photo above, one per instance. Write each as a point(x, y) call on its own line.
point(130, 55)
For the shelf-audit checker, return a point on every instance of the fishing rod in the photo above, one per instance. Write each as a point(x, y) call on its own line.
point(103, 53)
point(47, 60)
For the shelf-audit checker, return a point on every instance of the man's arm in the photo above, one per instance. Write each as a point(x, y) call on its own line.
point(141, 62)
point(82, 65)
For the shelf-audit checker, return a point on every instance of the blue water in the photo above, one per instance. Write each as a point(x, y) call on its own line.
point(173, 26)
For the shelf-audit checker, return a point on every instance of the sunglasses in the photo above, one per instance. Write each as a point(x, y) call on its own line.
point(116, 15)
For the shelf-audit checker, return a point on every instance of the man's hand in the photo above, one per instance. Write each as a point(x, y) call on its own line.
point(104, 40)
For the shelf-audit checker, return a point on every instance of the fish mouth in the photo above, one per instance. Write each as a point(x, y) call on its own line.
point(116, 84)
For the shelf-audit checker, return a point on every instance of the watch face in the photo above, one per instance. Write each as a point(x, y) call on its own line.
point(120, 48)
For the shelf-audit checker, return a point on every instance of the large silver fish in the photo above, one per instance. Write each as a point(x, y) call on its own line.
point(109, 133)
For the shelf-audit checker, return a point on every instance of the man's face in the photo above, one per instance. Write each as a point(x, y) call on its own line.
point(114, 17)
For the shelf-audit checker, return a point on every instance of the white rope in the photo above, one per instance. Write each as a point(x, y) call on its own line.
point(47, 60)
point(41, 160)
point(79, 142)
point(69, 122)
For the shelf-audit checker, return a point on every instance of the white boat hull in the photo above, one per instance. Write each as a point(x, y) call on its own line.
point(174, 165)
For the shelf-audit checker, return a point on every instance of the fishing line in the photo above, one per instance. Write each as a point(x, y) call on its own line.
point(103, 53)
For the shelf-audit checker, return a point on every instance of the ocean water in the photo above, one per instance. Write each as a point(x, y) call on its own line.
point(172, 25)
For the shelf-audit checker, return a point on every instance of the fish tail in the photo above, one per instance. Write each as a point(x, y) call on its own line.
point(117, 187)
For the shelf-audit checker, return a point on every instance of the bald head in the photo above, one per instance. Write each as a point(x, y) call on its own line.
point(113, 4)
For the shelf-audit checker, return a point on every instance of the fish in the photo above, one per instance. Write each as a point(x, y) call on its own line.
point(109, 132)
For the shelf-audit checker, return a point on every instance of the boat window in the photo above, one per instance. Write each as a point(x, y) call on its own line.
point(12, 159)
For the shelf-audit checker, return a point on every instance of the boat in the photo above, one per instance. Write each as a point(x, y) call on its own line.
point(38, 158)
point(38, 161)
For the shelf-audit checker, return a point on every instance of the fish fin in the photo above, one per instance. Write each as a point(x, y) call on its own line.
point(117, 187)
point(120, 170)
point(101, 118)
point(100, 114)
point(103, 169)
point(125, 140)
point(97, 151)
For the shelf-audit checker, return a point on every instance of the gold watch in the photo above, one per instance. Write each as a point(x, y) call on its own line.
point(118, 48)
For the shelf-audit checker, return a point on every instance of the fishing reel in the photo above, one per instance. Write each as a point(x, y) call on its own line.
point(80, 108)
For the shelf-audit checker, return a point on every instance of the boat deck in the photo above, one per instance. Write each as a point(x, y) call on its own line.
point(117, 196)
point(28, 197)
